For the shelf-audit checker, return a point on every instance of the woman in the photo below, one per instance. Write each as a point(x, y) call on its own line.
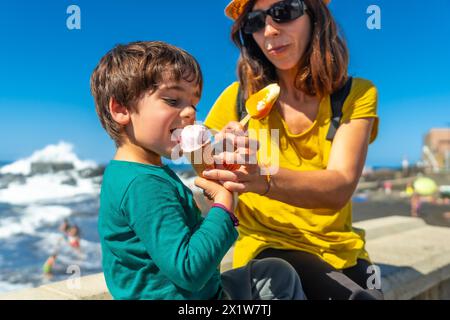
point(301, 210)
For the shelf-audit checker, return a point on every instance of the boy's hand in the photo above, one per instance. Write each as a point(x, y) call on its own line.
point(216, 192)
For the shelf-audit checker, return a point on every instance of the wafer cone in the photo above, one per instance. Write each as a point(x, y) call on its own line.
point(197, 147)
point(202, 158)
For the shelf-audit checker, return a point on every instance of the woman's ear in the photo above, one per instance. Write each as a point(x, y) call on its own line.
point(119, 113)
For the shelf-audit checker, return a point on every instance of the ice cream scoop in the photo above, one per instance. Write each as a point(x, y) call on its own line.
point(193, 137)
point(259, 104)
point(197, 148)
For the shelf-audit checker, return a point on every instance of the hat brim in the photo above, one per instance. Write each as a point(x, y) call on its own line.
point(235, 8)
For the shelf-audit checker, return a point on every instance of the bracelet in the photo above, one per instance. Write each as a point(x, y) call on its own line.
point(234, 219)
point(268, 179)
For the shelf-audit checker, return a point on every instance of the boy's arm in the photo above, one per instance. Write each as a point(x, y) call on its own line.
point(188, 259)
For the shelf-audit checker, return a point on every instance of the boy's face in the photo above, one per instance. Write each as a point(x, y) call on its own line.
point(159, 113)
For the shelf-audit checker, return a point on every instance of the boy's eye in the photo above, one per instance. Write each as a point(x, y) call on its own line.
point(171, 102)
point(176, 103)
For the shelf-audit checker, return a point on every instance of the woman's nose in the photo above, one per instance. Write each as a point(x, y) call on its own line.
point(188, 115)
point(270, 28)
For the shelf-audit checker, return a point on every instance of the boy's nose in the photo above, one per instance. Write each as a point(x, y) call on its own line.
point(188, 115)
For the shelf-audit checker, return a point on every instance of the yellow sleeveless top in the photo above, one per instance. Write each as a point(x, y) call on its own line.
point(267, 223)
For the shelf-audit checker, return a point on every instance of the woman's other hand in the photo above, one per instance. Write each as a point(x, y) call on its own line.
point(235, 161)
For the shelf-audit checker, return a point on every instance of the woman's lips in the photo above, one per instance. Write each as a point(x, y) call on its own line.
point(277, 50)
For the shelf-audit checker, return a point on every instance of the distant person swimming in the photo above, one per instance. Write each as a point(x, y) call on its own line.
point(48, 266)
point(74, 237)
point(71, 234)
point(64, 228)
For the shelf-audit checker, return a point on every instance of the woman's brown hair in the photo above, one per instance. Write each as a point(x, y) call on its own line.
point(322, 69)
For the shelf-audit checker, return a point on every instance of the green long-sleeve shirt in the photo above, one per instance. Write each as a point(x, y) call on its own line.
point(155, 244)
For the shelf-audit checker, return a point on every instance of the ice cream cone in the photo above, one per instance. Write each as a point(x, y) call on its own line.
point(201, 159)
point(197, 147)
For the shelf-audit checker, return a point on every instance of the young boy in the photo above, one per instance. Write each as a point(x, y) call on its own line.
point(155, 244)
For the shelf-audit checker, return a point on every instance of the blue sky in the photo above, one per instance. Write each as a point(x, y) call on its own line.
point(45, 67)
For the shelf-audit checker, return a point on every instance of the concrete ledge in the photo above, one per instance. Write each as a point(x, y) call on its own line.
point(377, 228)
point(91, 287)
point(414, 259)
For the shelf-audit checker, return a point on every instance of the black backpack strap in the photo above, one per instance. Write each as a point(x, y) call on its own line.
point(337, 102)
point(241, 111)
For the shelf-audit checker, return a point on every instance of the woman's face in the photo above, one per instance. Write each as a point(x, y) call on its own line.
point(283, 43)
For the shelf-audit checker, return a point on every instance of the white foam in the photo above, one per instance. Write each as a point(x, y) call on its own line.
point(57, 153)
point(8, 287)
point(31, 218)
point(89, 258)
point(45, 188)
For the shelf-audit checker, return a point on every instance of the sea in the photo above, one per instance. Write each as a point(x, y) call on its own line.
point(37, 194)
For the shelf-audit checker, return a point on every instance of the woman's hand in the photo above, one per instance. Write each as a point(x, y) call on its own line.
point(232, 138)
point(236, 164)
point(247, 178)
point(215, 192)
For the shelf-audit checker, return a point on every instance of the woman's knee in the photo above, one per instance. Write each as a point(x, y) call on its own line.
point(277, 266)
point(284, 280)
point(367, 294)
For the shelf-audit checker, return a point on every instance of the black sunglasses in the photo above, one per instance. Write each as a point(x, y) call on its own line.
point(281, 12)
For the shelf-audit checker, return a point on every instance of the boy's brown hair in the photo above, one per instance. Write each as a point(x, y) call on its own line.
point(322, 69)
point(128, 71)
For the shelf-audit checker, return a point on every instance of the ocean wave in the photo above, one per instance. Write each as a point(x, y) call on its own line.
point(87, 259)
point(55, 153)
point(9, 287)
point(36, 194)
point(28, 220)
point(45, 188)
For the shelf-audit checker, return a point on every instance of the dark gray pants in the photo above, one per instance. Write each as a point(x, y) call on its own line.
point(321, 281)
point(265, 279)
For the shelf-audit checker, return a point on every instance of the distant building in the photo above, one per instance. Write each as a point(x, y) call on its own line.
point(436, 149)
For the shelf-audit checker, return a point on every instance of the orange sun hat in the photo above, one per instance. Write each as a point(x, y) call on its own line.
point(235, 8)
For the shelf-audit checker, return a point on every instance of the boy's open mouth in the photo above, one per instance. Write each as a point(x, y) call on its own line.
point(175, 134)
